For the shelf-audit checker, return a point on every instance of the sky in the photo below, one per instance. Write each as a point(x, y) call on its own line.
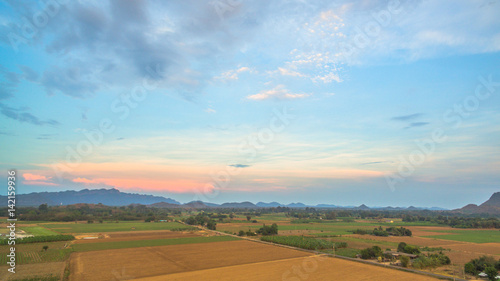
point(383, 103)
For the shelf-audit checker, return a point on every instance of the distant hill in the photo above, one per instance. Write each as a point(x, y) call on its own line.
point(269, 205)
point(491, 206)
point(296, 205)
point(494, 201)
point(109, 197)
point(247, 205)
point(195, 205)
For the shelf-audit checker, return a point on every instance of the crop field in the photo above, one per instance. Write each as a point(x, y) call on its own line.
point(139, 235)
point(148, 243)
point(113, 226)
point(234, 260)
point(466, 235)
point(27, 271)
point(315, 268)
point(38, 231)
point(34, 253)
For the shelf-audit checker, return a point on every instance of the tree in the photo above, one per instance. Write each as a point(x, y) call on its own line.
point(405, 261)
point(249, 218)
point(241, 233)
point(491, 272)
point(45, 248)
point(401, 247)
point(470, 268)
point(211, 224)
point(268, 230)
point(43, 208)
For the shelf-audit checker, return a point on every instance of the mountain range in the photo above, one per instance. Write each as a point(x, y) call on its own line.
point(114, 197)
point(491, 206)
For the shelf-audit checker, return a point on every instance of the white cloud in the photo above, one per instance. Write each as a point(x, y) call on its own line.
point(233, 74)
point(278, 92)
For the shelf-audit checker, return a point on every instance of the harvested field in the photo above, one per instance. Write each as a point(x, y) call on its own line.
point(486, 248)
point(140, 235)
point(419, 241)
point(311, 268)
point(29, 270)
point(161, 260)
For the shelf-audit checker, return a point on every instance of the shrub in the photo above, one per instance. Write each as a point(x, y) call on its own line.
point(491, 272)
point(300, 242)
point(372, 252)
point(401, 247)
point(405, 261)
point(268, 230)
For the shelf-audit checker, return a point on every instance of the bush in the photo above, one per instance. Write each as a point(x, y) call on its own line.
point(37, 239)
point(405, 261)
point(268, 230)
point(401, 247)
point(470, 269)
point(432, 260)
point(241, 233)
point(491, 272)
point(411, 250)
point(480, 264)
point(300, 242)
point(372, 252)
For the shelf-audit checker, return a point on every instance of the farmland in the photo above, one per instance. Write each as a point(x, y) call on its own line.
point(135, 249)
point(111, 227)
point(234, 260)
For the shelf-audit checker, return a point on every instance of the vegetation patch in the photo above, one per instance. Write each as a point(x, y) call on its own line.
point(148, 243)
point(301, 242)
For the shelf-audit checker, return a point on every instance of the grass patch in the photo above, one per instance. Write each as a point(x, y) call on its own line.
point(474, 236)
point(347, 252)
point(38, 231)
point(148, 243)
point(34, 253)
point(113, 226)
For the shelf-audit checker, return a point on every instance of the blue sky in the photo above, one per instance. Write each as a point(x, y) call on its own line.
point(375, 102)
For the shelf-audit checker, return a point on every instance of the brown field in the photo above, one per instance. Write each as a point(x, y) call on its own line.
point(418, 241)
point(153, 261)
point(311, 268)
point(139, 235)
point(29, 270)
point(234, 260)
point(485, 248)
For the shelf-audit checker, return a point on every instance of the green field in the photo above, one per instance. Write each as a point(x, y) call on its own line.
point(34, 253)
point(148, 243)
point(464, 235)
point(113, 227)
point(38, 231)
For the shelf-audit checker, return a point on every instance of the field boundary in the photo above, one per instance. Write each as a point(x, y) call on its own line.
point(435, 275)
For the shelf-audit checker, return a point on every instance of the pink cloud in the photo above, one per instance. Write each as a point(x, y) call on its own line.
point(84, 180)
point(32, 182)
point(33, 177)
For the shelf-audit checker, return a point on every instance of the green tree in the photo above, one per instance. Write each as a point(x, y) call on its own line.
point(241, 233)
point(405, 261)
point(45, 248)
point(491, 272)
point(211, 224)
point(43, 208)
point(249, 218)
point(401, 247)
point(470, 268)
